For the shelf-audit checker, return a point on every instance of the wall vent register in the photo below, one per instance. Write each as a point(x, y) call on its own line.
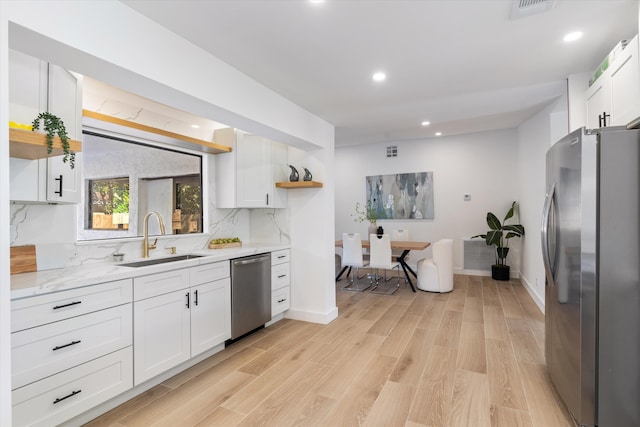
point(392, 151)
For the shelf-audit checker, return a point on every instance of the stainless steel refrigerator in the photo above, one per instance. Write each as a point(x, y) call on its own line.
point(591, 252)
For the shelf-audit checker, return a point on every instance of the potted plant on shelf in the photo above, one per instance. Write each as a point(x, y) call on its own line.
point(53, 125)
point(366, 213)
point(498, 236)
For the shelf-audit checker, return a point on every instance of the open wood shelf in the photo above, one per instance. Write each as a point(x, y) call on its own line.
point(25, 144)
point(299, 184)
point(201, 144)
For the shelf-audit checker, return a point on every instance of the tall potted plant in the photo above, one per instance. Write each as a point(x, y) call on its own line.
point(498, 235)
point(366, 213)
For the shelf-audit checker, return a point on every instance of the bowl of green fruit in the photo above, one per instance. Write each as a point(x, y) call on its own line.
point(225, 242)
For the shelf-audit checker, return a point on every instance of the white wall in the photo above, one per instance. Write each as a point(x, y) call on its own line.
point(135, 60)
point(535, 136)
point(481, 164)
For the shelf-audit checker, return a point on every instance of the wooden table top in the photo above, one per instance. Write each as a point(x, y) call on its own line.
point(397, 244)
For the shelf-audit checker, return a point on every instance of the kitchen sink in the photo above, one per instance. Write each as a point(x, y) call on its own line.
point(155, 261)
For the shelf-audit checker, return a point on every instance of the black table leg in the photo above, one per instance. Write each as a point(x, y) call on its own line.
point(342, 271)
point(406, 268)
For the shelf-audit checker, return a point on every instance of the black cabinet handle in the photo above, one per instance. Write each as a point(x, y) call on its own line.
point(267, 199)
point(281, 300)
point(281, 256)
point(187, 295)
point(59, 192)
point(281, 276)
point(602, 119)
point(60, 399)
point(58, 347)
point(195, 294)
point(67, 305)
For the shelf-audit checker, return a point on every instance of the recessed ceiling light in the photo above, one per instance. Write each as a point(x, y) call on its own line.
point(573, 36)
point(425, 123)
point(379, 76)
point(316, 1)
point(438, 133)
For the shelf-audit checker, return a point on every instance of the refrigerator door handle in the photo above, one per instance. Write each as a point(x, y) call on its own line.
point(546, 211)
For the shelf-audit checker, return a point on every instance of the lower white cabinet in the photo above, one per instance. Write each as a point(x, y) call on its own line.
point(210, 315)
point(280, 282)
point(173, 327)
point(62, 396)
point(54, 347)
point(161, 334)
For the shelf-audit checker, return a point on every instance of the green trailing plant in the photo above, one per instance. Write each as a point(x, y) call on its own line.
point(53, 125)
point(499, 234)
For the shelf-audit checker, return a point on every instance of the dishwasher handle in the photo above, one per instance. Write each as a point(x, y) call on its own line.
point(245, 261)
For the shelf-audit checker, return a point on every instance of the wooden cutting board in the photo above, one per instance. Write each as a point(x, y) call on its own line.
point(23, 259)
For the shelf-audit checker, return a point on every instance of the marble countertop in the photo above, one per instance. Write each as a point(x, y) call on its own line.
point(47, 281)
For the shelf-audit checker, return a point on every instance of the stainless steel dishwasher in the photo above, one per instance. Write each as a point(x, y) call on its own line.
point(250, 293)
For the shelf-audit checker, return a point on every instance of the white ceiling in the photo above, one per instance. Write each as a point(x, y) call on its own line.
point(464, 65)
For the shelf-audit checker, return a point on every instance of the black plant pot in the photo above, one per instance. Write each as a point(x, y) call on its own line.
point(500, 272)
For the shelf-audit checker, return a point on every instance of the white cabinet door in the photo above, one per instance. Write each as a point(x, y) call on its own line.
point(246, 177)
point(27, 87)
point(161, 334)
point(35, 87)
point(614, 98)
point(624, 86)
point(598, 102)
point(210, 315)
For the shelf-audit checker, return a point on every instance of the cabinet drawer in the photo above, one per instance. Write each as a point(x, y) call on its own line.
point(43, 351)
point(34, 311)
point(279, 257)
point(60, 397)
point(161, 283)
point(280, 301)
point(209, 272)
point(280, 276)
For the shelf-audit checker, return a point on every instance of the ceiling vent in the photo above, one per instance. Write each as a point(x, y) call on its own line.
point(524, 8)
point(392, 151)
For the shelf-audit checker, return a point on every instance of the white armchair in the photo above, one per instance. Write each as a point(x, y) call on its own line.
point(436, 274)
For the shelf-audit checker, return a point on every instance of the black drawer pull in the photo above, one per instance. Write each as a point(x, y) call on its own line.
point(281, 256)
point(58, 347)
point(281, 300)
point(60, 399)
point(281, 276)
point(67, 305)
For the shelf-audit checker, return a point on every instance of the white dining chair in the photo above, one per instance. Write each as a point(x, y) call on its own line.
point(352, 258)
point(380, 258)
point(436, 274)
point(399, 235)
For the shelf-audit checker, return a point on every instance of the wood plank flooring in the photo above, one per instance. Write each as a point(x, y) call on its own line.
point(472, 357)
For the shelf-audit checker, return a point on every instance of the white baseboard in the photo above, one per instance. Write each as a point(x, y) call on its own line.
point(309, 316)
point(534, 296)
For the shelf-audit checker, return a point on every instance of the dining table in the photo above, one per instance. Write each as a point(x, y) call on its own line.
point(405, 247)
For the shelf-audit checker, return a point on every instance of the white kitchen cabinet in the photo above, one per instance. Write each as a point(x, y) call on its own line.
point(178, 315)
point(210, 315)
point(246, 177)
point(161, 334)
point(614, 98)
point(34, 87)
point(62, 396)
point(280, 282)
point(71, 350)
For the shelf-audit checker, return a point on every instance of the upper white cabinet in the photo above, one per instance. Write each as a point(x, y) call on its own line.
point(614, 98)
point(246, 177)
point(34, 87)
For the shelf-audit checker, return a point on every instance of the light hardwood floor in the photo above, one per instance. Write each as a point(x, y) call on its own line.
point(472, 357)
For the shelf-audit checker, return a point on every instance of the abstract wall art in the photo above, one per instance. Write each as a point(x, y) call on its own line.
point(401, 196)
